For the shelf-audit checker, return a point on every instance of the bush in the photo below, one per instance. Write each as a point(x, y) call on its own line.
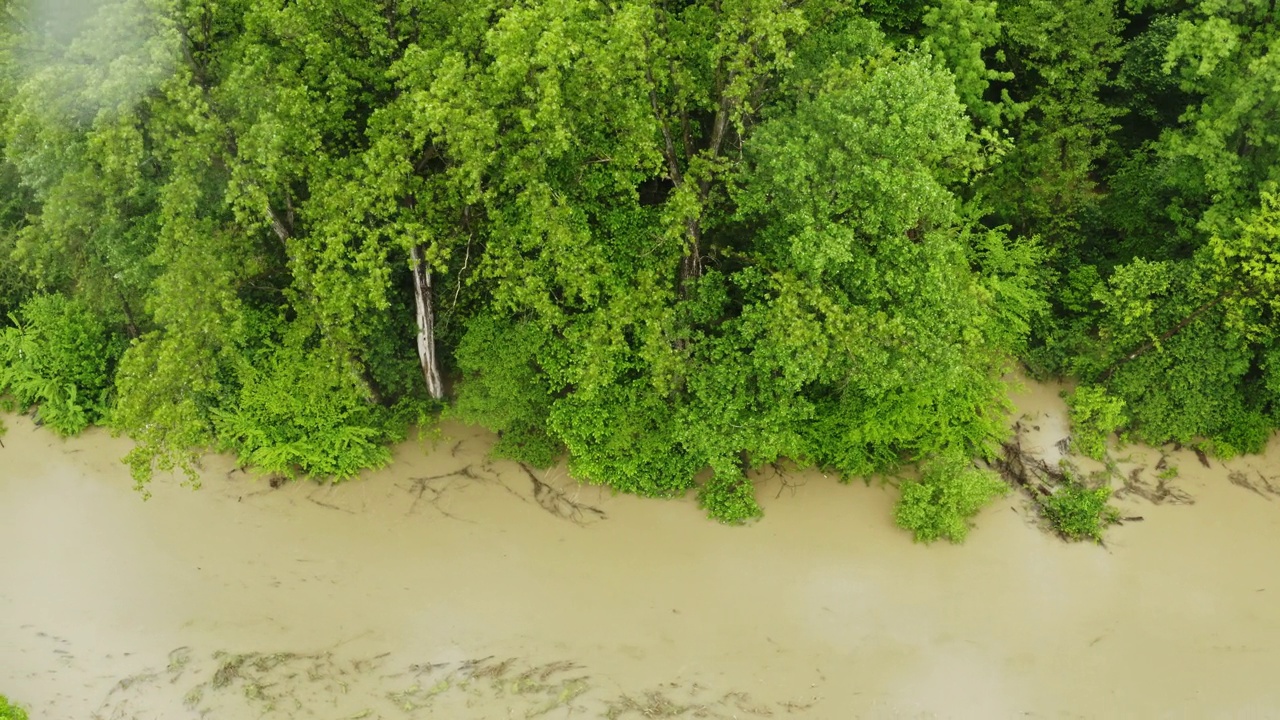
point(506, 390)
point(730, 498)
point(9, 711)
point(58, 356)
point(1243, 431)
point(1094, 415)
point(301, 410)
point(626, 436)
point(1079, 513)
point(949, 492)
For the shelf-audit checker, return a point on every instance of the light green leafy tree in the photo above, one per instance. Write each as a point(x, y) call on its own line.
point(810, 295)
point(942, 503)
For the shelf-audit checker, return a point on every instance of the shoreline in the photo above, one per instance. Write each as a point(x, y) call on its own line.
point(822, 609)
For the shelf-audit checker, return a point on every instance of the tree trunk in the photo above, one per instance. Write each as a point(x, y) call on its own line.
point(691, 263)
point(426, 324)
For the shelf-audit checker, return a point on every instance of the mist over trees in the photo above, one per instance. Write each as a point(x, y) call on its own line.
point(648, 237)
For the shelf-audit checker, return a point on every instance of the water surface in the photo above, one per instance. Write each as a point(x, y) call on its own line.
point(449, 585)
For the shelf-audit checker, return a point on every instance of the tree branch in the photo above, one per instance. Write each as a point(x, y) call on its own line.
point(669, 146)
point(281, 230)
point(1182, 325)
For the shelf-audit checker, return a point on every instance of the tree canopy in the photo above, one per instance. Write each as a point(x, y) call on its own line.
point(649, 238)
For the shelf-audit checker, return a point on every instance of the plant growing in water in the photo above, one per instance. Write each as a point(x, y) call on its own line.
point(1080, 513)
point(949, 492)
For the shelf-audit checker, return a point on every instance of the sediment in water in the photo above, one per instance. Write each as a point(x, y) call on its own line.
point(449, 585)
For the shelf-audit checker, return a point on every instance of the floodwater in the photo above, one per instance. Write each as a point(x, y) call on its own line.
point(452, 586)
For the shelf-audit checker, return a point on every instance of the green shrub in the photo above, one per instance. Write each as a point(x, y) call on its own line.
point(1079, 513)
point(949, 492)
point(625, 436)
point(729, 497)
point(1243, 431)
point(59, 356)
point(302, 410)
point(9, 711)
point(1094, 415)
point(505, 389)
point(1201, 386)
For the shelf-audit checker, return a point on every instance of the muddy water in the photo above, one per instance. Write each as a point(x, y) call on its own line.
point(454, 587)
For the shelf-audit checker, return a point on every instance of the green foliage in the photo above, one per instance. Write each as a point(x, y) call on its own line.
point(10, 711)
point(1246, 263)
point(1186, 340)
point(1194, 386)
point(643, 388)
point(1080, 513)
point(1011, 274)
point(1094, 416)
point(1224, 55)
point(1151, 94)
point(960, 31)
point(300, 409)
point(627, 437)
point(1061, 54)
point(729, 497)
point(504, 389)
point(165, 406)
point(654, 238)
point(949, 492)
point(59, 356)
point(1184, 311)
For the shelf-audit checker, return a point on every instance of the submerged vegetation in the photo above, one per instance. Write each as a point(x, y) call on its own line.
point(658, 242)
point(287, 684)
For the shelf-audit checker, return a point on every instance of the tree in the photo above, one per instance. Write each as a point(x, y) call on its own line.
point(842, 324)
point(1061, 55)
point(1187, 336)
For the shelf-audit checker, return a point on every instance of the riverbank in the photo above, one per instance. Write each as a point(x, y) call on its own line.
point(402, 595)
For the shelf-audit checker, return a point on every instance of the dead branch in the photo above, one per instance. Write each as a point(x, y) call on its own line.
point(554, 501)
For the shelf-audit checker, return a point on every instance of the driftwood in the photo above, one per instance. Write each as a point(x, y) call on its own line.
point(1023, 470)
point(1202, 457)
point(1035, 477)
point(432, 489)
point(556, 502)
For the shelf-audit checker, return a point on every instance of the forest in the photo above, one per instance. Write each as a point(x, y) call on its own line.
point(664, 241)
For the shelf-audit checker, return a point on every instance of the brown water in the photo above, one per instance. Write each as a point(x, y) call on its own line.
point(450, 586)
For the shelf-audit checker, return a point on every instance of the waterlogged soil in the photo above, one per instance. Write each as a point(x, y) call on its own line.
point(452, 586)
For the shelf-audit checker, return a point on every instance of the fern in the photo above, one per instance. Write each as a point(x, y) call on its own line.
point(302, 411)
point(58, 356)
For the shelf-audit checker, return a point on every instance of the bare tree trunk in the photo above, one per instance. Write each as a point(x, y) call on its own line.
point(426, 324)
